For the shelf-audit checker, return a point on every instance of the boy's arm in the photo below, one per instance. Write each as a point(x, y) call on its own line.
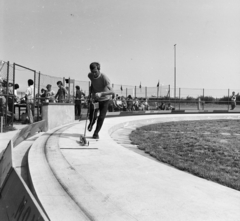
point(109, 92)
point(56, 94)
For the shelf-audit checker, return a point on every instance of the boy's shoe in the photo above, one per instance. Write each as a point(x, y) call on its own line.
point(95, 136)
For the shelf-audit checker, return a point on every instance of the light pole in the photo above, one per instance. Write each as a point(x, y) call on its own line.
point(175, 70)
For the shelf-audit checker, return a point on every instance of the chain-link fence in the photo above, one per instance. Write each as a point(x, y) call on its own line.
point(13, 105)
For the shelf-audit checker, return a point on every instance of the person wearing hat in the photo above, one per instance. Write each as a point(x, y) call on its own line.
point(50, 94)
point(78, 104)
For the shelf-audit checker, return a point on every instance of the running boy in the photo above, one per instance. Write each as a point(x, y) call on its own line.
point(100, 91)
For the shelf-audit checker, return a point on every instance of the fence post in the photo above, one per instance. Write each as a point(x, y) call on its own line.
point(146, 92)
point(203, 102)
point(179, 97)
point(7, 93)
point(69, 89)
point(73, 90)
point(135, 91)
point(39, 79)
point(228, 99)
point(13, 94)
point(126, 92)
point(34, 96)
point(169, 93)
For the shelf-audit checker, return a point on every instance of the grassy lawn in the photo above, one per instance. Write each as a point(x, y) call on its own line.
point(209, 148)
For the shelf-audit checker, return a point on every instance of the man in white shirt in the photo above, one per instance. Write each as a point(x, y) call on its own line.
point(29, 95)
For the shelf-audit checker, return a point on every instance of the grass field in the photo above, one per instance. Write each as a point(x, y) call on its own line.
point(209, 148)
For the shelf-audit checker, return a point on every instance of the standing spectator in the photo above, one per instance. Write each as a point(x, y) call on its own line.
point(233, 100)
point(29, 96)
point(16, 97)
point(60, 96)
point(100, 90)
point(10, 98)
point(78, 101)
point(50, 93)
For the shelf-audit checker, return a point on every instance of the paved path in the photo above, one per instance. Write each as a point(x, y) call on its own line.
point(110, 182)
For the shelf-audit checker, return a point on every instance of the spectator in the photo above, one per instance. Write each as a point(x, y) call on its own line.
point(170, 107)
point(50, 93)
point(162, 106)
point(43, 95)
point(119, 104)
point(10, 98)
point(111, 104)
point(60, 96)
point(233, 101)
point(16, 97)
point(1, 95)
point(29, 96)
point(78, 101)
point(124, 103)
point(145, 103)
point(136, 104)
point(129, 103)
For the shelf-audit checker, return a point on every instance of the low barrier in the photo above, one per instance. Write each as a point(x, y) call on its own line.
point(18, 200)
point(28, 131)
point(19, 203)
point(57, 114)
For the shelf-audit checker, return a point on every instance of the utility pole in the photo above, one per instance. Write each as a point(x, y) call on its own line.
point(175, 70)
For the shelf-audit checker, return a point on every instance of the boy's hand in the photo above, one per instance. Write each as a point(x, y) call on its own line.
point(98, 94)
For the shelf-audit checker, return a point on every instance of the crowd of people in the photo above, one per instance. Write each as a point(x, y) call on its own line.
point(48, 95)
point(121, 103)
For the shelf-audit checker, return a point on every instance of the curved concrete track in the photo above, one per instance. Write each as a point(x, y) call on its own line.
point(107, 181)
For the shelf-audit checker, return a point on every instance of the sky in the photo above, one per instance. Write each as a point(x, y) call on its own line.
point(132, 39)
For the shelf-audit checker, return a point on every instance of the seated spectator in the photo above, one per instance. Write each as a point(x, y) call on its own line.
point(141, 105)
point(162, 106)
point(50, 94)
point(145, 103)
point(111, 105)
point(135, 104)
point(43, 95)
point(119, 103)
point(170, 107)
point(124, 103)
point(129, 103)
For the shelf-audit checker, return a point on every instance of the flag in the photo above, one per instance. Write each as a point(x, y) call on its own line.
point(158, 84)
point(140, 86)
point(121, 88)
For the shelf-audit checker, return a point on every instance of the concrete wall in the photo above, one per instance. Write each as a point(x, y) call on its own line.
point(57, 114)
